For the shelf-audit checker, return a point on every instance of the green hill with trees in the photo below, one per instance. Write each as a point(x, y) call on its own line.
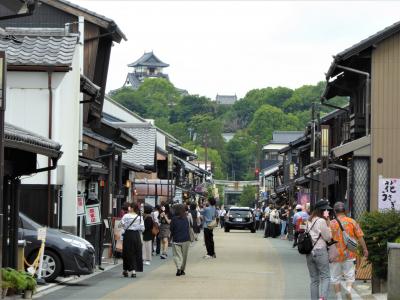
point(253, 118)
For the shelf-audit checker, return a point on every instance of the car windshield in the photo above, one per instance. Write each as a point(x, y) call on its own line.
point(28, 223)
point(239, 213)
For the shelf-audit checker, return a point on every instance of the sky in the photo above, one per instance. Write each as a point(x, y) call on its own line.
point(230, 47)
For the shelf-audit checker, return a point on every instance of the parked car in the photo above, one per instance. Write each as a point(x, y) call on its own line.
point(65, 254)
point(240, 218)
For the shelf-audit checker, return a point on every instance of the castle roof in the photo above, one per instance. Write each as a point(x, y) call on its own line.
point(149, 60)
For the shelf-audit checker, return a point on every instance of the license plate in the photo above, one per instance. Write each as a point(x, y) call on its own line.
point(239, 219)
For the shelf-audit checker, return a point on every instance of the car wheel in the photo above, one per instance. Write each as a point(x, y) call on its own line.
point(51, 266)
point(226, 229)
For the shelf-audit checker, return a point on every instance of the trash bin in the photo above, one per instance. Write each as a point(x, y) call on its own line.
point(393, 271)
point(21, 255)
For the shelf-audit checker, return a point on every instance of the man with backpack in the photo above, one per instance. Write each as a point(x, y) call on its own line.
point(347, 232)
point(299, 220)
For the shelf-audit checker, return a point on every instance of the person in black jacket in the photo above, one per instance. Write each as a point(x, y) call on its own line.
point(181, 238)
point(147, 234)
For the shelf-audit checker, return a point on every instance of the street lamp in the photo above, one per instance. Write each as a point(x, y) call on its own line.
point(324, 159)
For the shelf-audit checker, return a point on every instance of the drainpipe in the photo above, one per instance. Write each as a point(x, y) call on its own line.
point(336, 166)
point(50, 133)
point(81, 29)
point(367, 92)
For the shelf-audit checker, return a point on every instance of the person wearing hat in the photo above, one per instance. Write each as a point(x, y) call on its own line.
point(318, 226)
point(299, 219)
point(344, 266)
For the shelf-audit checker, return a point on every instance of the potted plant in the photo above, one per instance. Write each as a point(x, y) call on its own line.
point(5, 285)
point(30, 286)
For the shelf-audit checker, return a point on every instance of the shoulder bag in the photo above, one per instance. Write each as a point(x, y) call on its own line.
point(350, 243)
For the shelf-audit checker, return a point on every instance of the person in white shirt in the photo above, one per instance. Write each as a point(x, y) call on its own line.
point(132, 224)
point(318, 260)
point(222, 213)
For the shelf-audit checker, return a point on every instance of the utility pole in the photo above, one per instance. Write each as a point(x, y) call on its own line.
point(205, 149)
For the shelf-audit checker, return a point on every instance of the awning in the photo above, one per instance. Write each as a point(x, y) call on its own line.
point(92, 166)
point(191, 167)
point(183, 151)
point(18, 138)
point(272, 169)
point(135, 167)
point(360, 147)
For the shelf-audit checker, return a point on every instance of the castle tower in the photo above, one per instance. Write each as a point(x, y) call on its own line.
point(148, 66)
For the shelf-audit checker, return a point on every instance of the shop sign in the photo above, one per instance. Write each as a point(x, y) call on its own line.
point(389, 193)
point(80, 205)
point(92, 214)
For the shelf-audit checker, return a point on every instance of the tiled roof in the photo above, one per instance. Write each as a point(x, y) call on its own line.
point(100, 138)
point(149, 60)
point(18, 138)
point(285, 137)
point(39, 51)
point(144, 152)
point(182, 151)
point(134, 82)
point(103, 21)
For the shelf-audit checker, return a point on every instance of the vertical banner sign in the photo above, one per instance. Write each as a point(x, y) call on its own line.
point(80, 205)
point(389, 193)
point(170, 162)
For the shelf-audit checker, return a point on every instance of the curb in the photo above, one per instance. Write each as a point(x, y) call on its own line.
point(52, 287)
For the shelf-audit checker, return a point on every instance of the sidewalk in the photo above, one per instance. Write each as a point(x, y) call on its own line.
point(361, 289)
point(43, 290)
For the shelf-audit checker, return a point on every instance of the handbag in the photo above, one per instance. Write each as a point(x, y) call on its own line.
point(350, 243)
point(212, 224)
point(155, 229)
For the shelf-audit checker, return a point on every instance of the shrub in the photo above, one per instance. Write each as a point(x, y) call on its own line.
point(380, 227)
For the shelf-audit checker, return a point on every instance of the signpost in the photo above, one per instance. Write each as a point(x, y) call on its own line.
point(41, 236)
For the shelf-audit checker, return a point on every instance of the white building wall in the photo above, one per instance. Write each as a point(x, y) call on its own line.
point(120, 112)
point(28, 107)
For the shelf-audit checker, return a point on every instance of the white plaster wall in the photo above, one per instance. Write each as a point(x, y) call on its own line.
point(119, 112)
point(161, 140)
point(28, 107)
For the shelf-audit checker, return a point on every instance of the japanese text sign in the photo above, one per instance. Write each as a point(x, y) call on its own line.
point(92, 213)
point(389, 193)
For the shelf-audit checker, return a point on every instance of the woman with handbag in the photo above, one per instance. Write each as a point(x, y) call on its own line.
point(318, 260)
point(196, 219)
point(147, 234)
point(132, 224)
point(165, 232)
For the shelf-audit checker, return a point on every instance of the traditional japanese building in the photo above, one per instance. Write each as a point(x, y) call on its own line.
point(226, 99)
point(148, 66)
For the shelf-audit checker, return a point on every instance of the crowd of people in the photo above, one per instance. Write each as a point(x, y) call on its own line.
point(334, 238)
point(148, 232)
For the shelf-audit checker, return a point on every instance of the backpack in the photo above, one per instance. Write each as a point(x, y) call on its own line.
point(304, 241)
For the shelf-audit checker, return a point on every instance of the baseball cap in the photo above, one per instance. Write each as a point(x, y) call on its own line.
point(298, 206)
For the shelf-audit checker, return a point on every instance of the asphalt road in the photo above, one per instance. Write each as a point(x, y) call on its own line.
point(247, 266)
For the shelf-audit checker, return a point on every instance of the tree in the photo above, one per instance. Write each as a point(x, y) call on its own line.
point(213, 157)
point(269, 118)
point(192, 105)
point(248, 196)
